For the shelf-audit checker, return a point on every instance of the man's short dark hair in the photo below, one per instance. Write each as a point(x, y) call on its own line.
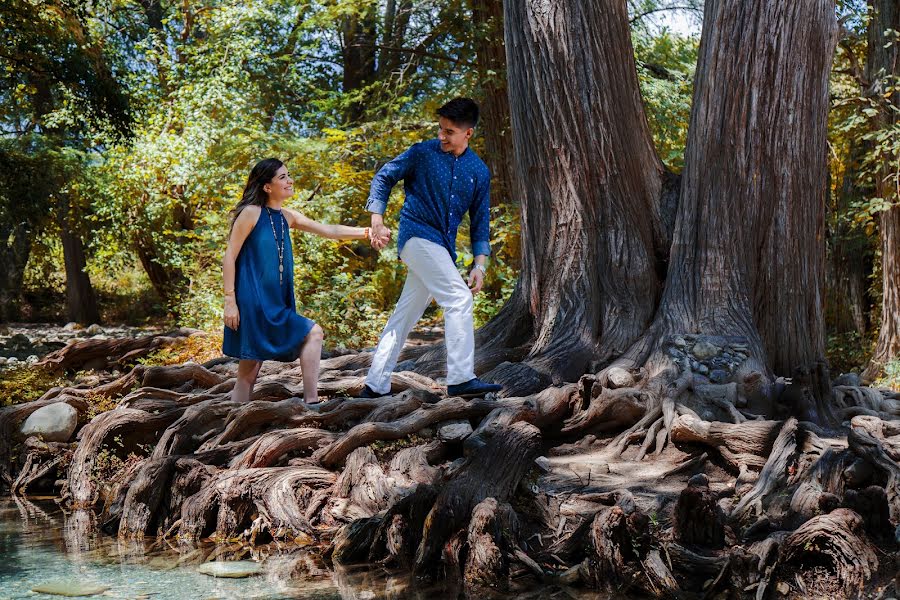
point(462, 111)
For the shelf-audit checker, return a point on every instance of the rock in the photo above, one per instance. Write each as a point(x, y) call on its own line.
point(718, 376)
point(32, 359)
point(2, 360)
point(702, 369)
point(234, 569)
point(679, 341)
point(94, 329)
point(703, 350)
point(618, 377)
point(12, 360)
point(454, 431)
point(54, 423)
point(699, 480)
point(849, 379)
point(70, 326)
point(543, 463)
point(69, 589)
point(18, 341)
point(783, 588)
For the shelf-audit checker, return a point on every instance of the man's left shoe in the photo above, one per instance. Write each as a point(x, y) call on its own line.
point(472, 389)
point(368, 392)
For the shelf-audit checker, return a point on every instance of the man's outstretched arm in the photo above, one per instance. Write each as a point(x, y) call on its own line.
point(380, 192)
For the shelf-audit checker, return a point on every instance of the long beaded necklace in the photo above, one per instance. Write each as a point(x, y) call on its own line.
point(279, 244)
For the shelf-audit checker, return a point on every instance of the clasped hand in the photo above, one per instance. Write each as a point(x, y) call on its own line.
point(379, 236)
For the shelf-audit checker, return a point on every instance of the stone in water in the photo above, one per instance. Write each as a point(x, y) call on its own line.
point(70, 589)
point(234, 569)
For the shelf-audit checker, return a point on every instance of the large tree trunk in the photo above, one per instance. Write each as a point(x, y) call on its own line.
point(748, 253)
point(592, 234)
point(490, 50)
point(884, 65)
point(15, 246)
point(81, 303)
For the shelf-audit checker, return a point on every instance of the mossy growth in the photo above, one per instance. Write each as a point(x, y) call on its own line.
point(386, 449)
point(196, 348)
point(25, 383)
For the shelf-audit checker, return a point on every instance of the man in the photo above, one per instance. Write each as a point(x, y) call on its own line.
point(443, 179)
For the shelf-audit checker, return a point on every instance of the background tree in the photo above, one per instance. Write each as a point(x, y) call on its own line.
point(60, 97)
point(883, 76)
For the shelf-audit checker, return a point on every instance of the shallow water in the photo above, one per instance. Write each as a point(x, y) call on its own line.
point(39, 544)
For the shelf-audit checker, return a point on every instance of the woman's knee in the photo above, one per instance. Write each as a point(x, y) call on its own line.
point(316, 335)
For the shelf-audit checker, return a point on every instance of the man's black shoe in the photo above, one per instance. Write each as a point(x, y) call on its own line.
point(368, 392)
point(472, 388)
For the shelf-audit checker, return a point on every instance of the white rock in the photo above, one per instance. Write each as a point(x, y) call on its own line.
point(93, 330)
point(233, 569)
point(2, 360)
point(33, 358)
point(12, 360)
point(70, 326)
point(71, 589)
point(54, 423)
point(618, 377)
point(543, 463)
point(454, 431)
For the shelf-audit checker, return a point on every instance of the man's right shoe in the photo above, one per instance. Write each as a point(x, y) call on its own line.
point(368, 392)
point(473, 388)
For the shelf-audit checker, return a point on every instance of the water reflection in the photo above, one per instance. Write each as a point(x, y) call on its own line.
point(40, 544)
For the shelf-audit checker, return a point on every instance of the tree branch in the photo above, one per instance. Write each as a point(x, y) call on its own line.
point(647, 13)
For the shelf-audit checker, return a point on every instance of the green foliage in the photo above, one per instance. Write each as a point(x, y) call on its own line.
point(891, 377)
point(666, 63)
point(24, 384)
point(848, 352)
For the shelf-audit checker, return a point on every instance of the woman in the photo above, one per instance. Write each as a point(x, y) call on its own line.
point(261, 322)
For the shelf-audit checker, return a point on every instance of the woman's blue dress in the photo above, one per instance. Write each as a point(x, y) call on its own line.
point(269, 327)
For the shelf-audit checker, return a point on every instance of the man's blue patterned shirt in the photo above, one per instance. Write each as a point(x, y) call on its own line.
point(440, 188)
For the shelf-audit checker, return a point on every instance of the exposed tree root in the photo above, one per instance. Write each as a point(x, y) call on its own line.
point(385, 481)
point(105, 354)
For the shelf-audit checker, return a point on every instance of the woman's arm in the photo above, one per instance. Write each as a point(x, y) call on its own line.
point(298, 220)
point(243, 225)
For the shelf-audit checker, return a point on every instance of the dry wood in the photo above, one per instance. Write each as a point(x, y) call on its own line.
point(747, 443)
point(102, 354)
point(836, 541)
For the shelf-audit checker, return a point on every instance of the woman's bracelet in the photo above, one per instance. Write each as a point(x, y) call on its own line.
point(229, 292)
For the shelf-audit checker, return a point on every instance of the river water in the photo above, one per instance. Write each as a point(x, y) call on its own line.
point(40, 545)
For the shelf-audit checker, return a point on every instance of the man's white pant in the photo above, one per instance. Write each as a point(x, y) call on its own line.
point(431, 275)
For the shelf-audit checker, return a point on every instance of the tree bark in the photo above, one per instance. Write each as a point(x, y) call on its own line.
point(15, 247)
point(753, 186)
point(81, 302)
point(849, 256)
point(592, 237)
point(884, 65)
point(490, 51)
point(358, 37)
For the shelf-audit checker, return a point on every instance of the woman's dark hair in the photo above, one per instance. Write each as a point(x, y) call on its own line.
point(263, 172)
point(462, 111)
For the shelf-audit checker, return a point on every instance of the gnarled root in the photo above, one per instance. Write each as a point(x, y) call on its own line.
point(835, 541)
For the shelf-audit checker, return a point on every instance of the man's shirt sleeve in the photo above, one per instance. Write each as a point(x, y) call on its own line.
point(387, 177)
point(480, 219)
